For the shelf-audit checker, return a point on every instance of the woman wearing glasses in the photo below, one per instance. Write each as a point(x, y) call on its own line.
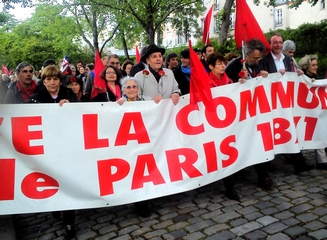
point(130, 90)
point(111, 92)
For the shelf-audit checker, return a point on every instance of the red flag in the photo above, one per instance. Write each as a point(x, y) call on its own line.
point(99, 84)
point(199, 82)
point(138, 56)
point(246, 26)
point(206, 27)
point(5, 70)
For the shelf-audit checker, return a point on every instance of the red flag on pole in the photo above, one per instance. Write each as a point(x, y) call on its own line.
point(5, 70)
point(206, 27)
point(138, 56)
point(199, 82)
point(246, 26)
point(99, 84)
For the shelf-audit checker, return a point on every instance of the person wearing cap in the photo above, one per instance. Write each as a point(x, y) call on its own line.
point(24, 87)
point(156, 82)
point(198, 52)
point(139, 66)
point(183, 72)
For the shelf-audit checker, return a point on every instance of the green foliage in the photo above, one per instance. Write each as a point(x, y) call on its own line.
point(151, 15)
point(47, 34)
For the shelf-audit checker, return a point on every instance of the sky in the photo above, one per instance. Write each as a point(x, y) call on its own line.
point(20, 13)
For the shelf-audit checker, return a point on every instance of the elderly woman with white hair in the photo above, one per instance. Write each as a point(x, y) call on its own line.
point(130, 89)
point(309, 66)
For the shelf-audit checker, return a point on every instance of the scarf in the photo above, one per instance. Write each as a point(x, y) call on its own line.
point(130, 100)
point(26, 92)
point(187, 72)
point(215, 81)
point(118, 93)
point(155, 74)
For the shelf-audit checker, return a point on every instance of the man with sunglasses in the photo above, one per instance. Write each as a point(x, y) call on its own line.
point(24, 87)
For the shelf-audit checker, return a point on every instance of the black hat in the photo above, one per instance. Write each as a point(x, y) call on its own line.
point(185, 53)
point(197, 50)
point(49, 62)
point(152, 48)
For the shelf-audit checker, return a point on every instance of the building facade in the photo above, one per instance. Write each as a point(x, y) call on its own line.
point(268, 18)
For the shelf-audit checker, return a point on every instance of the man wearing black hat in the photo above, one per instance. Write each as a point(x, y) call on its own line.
point(183, 72)
point(155, 82)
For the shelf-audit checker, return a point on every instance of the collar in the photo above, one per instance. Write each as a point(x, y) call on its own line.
point(282, 56)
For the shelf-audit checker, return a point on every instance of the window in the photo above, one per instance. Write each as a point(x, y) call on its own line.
point(279, 17)
point(216, 4)
point(232, 20)
point(322, 5)
point(215, 24)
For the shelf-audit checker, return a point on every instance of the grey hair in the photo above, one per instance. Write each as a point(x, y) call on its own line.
point(22, 65)
point(289, 44)
point(5, 77)
point(306, 60)
point(254, 44)
point(124, 80)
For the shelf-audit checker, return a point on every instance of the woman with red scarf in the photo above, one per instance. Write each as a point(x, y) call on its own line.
point(216, 64)
point(111, 75)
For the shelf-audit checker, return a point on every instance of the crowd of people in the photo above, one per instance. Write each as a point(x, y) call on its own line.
point(154, 79)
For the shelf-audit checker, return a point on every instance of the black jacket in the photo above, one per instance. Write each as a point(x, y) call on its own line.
point(267, 63)
point(235, 66)
point(43, 96)
point(183, 82)
point(13, 96)
point(109, 96)
point(136, 68)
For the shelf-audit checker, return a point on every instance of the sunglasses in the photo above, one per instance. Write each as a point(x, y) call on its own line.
point(26, 71)
point(114, 63)
point(131, 87)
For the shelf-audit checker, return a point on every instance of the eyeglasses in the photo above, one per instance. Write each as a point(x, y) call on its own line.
point(26, 71)
point(111, 73)
point(131, 87)
point(114, 63)
point(86, 69)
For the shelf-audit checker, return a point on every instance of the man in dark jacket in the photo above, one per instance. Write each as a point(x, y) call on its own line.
point(254, 49)
point(139, 66)
point(276, 61)
point(20, 90)
point(183, 72)
point(273, 62)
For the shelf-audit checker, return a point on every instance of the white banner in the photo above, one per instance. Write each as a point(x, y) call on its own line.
point(90, 155)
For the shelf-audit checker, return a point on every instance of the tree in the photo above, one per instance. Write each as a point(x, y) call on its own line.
point(185, 22)
point(47, 34)
point(151, 15)
point(94, 23)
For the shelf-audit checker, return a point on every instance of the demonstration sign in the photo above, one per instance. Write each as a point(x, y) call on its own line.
point(89, 155)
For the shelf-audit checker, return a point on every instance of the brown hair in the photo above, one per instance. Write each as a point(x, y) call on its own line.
point(117, 71)
point(52, 71)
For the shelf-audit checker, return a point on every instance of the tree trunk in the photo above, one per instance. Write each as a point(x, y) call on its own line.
point(125, 45)
point(226, 21)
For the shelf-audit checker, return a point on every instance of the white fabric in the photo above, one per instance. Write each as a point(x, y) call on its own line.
point(90, 155)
